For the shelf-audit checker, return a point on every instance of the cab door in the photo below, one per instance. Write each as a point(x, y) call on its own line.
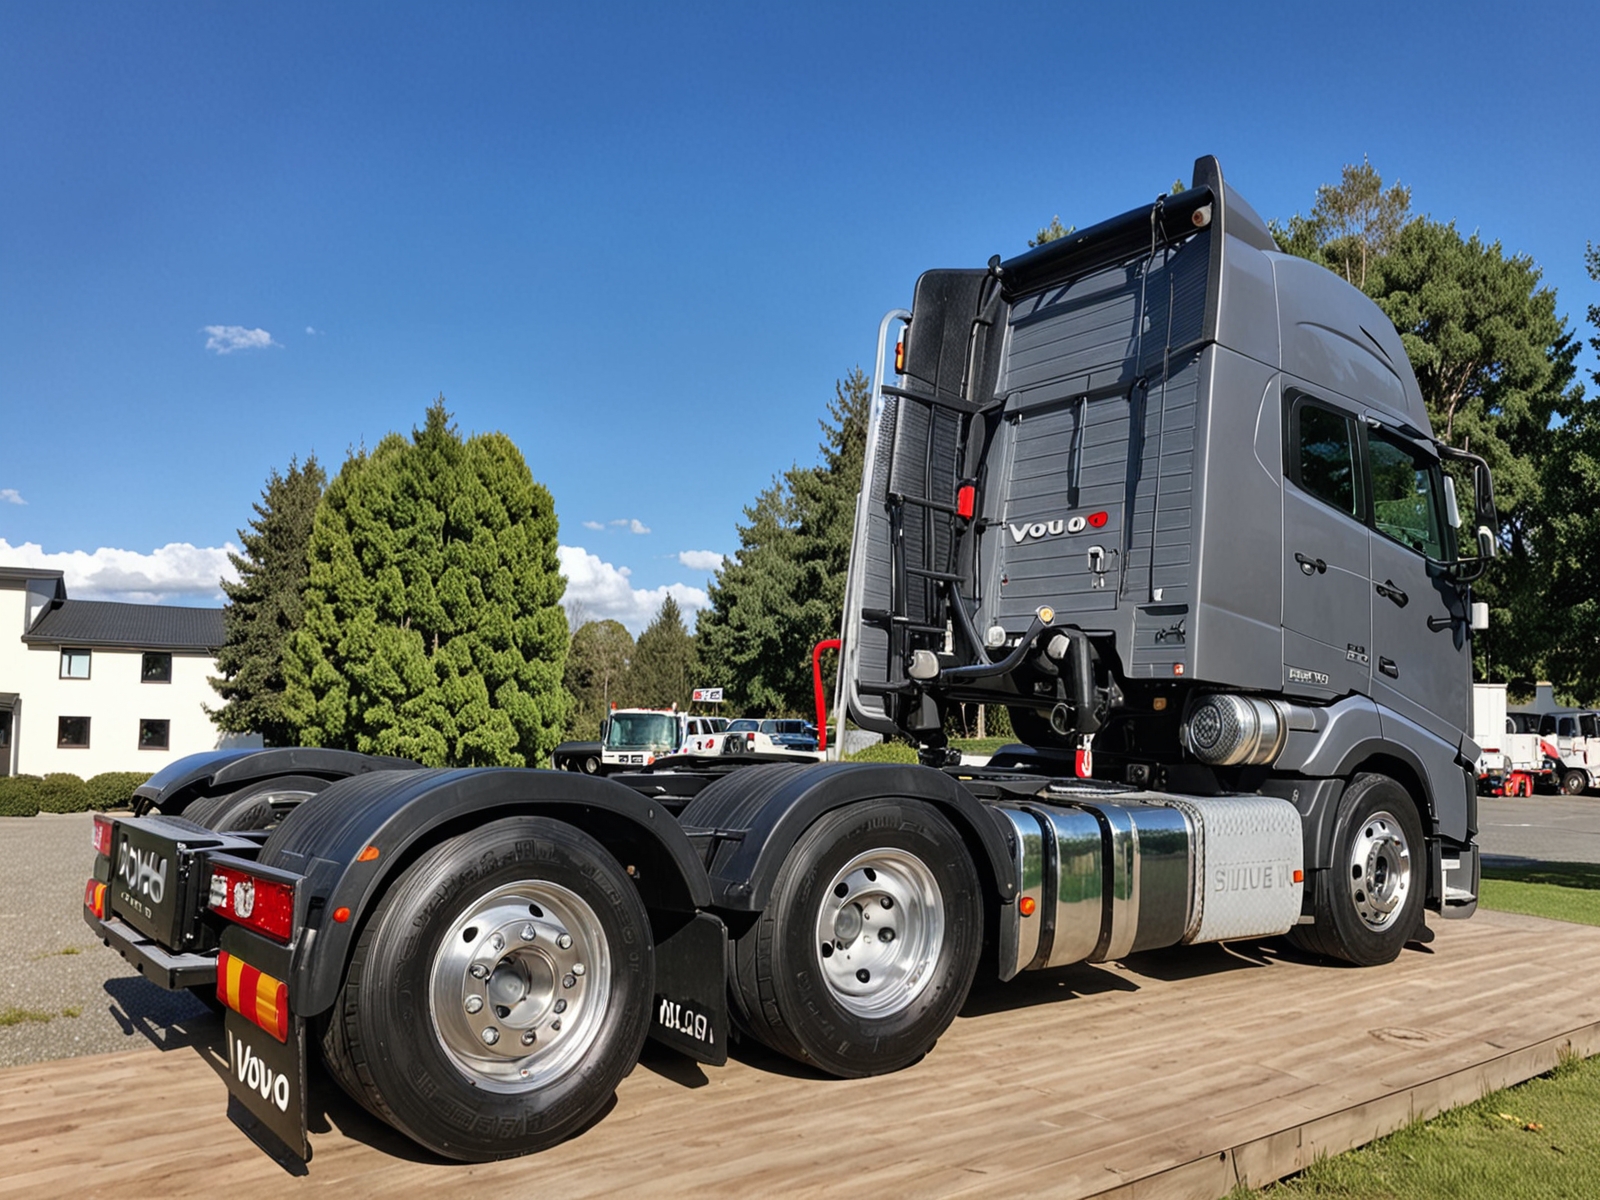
point(1421, 648)
point(1327, 618)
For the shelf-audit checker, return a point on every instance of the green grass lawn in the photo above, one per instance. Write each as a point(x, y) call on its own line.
point(1561, 891)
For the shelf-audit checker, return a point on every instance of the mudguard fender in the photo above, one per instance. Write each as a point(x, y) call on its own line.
point(352, 840)
point(755, 817)
point(211, 772)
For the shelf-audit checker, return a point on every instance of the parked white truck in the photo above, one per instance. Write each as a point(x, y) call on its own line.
point(1168, 494)
point(1512, 757)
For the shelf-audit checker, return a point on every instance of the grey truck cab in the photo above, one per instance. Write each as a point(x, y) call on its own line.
point(1171, 496)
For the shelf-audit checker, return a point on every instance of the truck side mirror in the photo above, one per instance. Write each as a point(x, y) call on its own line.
point(1480, 615)
point(1452, 510)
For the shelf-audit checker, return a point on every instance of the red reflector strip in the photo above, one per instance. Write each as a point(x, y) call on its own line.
point(255, 996)
point(264, 905)
point(966, 501)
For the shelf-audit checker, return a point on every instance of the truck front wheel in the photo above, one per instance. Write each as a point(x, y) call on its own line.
point(1368, 903)
point(1574, 782)
point(869, 944)
point(510, 968)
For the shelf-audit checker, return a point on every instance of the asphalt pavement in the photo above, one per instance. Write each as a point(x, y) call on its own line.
point(62, 993)
point(1539, 828)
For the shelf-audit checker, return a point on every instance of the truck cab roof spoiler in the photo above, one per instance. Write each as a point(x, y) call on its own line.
point(1167, 219)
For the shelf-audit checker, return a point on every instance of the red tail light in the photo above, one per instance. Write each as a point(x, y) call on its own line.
point(102, 835)
point(264, 905)
point(94, 899)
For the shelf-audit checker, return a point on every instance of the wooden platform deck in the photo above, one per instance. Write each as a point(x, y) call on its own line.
point(1171, 1075)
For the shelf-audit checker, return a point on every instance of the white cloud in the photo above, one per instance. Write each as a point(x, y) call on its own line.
point(225, 339)
point(311, 331)
point(701, 560)
point(596, 525)
point(11, 496)
point(176, 573)
point(604, 592)
point(632, 524)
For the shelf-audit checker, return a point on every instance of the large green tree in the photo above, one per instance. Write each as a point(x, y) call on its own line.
point(1494, 362)
point(664, 660)
point(783, 591)
point(264, 606)
point(433, 625)
point(1570, 539)
point(598, 663)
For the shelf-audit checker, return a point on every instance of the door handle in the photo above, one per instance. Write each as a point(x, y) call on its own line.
point(1386, 665)
point(1388, 591)
point(1310, 565)
point(1440, 624)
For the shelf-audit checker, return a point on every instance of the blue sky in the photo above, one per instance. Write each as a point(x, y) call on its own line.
point(643, 241)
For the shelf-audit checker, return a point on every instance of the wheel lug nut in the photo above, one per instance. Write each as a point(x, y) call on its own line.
point(565, 941)
point(479, 971)
point(887, 902)
point(569, 981)
point(529, 933)
point(577, 968)
point(561, 1006)
point(497, 943)
point(863, 975)
point(886, 935)
point(474, 1004)
point(555, 1026)
point(491, 1036)
point(528, 1038)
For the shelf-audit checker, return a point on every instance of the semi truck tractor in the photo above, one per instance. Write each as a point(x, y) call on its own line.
point(1167, 494)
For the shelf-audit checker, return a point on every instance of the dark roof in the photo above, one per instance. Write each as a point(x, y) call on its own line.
point(129, 626)
point(22, 576)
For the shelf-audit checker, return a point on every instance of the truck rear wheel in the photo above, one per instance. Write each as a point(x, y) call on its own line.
point(1574, 782)
point(1368, 903)
point(869, 944)
point(512, 969)
point(258, 805)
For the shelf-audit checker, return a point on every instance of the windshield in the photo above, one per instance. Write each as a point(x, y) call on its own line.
point(1406, 495)
point(744, 725)
point(770, 727)
point(646, 731)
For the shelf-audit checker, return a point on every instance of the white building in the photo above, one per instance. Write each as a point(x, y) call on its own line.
point(89, 686)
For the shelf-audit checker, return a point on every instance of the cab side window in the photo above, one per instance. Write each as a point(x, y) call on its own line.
point(1407, 495)
point(1322, 456)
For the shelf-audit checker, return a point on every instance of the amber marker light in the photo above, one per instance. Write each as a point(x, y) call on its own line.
point(94, 899)
point(367, 855)
point(1159, 704)
point(900, 356)
point(1299, 876)
point(1027, 905)
point(341, 914)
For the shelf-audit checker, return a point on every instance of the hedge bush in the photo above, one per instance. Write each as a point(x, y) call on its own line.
point(19, 795)
point(885, 752)
point(64, 792)
point(114, 789)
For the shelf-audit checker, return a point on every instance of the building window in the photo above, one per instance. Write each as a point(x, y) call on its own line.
point(74, 664)
point(156, 668)
point(5, 734)
point(154, 735)
point(72, 733)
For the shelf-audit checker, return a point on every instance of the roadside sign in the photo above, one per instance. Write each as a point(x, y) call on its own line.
point(708, 695)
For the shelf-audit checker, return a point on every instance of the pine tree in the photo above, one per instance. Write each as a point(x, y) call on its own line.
point(662, 673)
point(783, 591)
point(597, 675)
point(264, 606)
point(433, 626)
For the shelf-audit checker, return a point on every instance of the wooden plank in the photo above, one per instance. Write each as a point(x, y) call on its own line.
point(1171, 1075)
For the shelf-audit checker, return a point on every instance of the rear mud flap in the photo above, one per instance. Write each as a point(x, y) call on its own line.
point(690, 1013)
point(266, 1079)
